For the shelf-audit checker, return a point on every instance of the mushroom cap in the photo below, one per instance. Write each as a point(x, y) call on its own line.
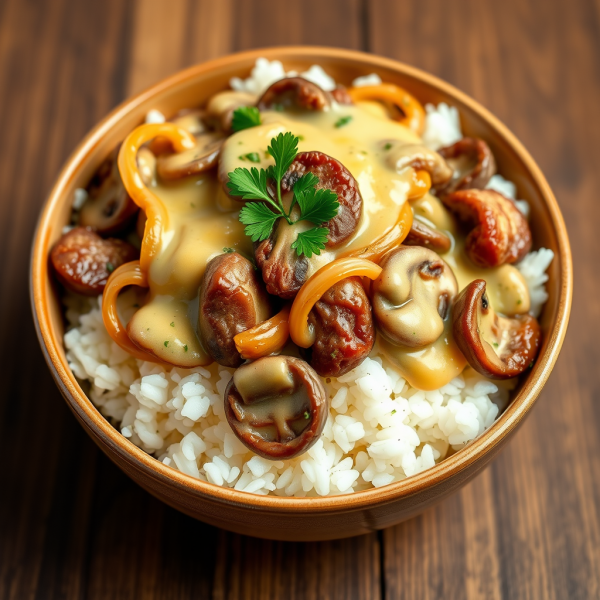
point(419, 157)
point(294, 92)
point(495, 346)
point(108, 208)
point(472, 162)
point(276, 406)
point(221, 107)
point(283, 271)
point(412, 296)
point(202, 157)
point(422, 234)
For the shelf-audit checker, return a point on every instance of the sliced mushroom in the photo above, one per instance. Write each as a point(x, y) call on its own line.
point(420, 158)
point(108, 208)
point(232, 299)
point(294, 92)
point(190, 119)
point(472, 162)
point(83, 261)
point(221, 107)
point(497, 347)
point(276, 406)
point(332, 175)
point(283, 271)
point(412, 296)
point(344, 331)
point(204, 156)
point(421, 234)
point(499, 232)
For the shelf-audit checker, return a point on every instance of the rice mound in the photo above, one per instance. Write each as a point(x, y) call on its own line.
point(379, 429)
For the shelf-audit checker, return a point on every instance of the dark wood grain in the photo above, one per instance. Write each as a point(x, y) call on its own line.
point(73, 526)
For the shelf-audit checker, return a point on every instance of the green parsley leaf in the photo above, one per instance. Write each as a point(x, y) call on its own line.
point(305, 182)
point(172, 323)
point(343, 121)
point(166, 344)
point(283, 149)
point(228, 250)
point(185, 347)
point(251, 156)
point(306, 414)
point(249, 184)
point(245, 117)
point(259, 220)
point(311, 242)
point(317, 206)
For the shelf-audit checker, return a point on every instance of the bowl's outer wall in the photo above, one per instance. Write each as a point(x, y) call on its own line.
point(301, 519)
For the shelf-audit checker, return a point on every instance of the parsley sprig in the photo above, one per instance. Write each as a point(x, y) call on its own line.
point(317, 206)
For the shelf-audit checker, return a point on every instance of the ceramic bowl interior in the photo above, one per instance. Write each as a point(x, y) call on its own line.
point(192, 88)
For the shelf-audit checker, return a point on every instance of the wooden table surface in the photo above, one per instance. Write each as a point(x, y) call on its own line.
point(73, 526)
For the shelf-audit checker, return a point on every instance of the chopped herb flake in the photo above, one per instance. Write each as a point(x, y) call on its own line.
point(387, 146)
point(343, 121)
point(110, 267)
point(166, 344)
point(228, 250)
point(172, 323)
point(185, 348)
point(394, 411)
point(251, 156)
point(306, 414)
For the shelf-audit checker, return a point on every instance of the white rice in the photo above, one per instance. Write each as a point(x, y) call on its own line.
point(266, 72)
point(379, 429)
point(155, 116)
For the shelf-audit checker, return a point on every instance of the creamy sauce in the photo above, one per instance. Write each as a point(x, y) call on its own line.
point(437, 364)
point(203, 220)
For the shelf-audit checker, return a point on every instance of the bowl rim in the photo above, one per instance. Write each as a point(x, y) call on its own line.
point(138, 459)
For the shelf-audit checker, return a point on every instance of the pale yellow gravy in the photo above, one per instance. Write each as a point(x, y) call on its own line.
point(203, 221)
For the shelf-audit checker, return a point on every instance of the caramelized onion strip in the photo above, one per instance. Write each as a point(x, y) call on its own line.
point(300, 331)
point(268, 337)
point(414, 113)
point(128, 274)
point(420, 185)
point(388, 241)
point(141, 195)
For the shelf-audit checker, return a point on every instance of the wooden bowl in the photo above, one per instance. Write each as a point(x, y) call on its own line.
point(301, 518)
